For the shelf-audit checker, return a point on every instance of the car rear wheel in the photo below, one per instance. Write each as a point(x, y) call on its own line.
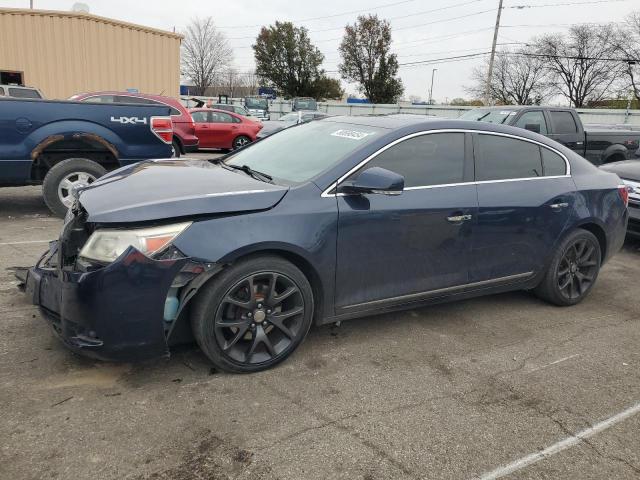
point(241, 141)
point(65, 177)
point(175, 150)
point(573, 270)
point(254, 315)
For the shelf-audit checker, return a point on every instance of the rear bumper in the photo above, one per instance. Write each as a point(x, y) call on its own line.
point(114, 313)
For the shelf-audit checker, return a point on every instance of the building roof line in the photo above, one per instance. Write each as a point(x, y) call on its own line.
point(90, 17)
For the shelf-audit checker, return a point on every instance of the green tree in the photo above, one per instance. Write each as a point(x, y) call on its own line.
point(368, 61)
point(327, 88)
point(287, 59)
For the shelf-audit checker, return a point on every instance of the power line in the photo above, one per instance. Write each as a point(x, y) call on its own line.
point(424, 12)
point(310, 19)
point(564, 4)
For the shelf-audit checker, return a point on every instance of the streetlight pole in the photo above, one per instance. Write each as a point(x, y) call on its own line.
point(487, 93)
point(433, 71)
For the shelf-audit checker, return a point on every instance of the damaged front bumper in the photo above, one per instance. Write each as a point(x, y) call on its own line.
point(115, 312)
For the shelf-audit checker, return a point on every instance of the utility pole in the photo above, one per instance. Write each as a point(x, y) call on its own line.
point(487, 93)
point(31, 4)
point(433, 71)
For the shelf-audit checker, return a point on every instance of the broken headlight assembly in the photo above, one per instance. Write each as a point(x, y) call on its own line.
point(107, 244)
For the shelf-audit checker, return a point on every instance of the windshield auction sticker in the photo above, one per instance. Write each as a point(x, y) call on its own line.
point(351, 134)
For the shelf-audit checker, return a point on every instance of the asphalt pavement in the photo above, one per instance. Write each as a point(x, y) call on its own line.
point(501, 385)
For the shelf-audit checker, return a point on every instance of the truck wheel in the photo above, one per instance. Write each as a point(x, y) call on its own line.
point(62, 178)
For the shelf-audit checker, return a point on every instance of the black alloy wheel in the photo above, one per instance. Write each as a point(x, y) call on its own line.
point(573, 270)
point(253, 317)
point(578, 268)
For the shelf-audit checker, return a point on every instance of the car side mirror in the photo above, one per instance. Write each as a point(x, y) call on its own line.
point(534, 127)
point(374, 180)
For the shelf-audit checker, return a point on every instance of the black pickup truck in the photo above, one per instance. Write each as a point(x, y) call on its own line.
point(596, 144)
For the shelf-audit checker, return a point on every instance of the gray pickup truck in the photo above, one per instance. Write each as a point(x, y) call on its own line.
point(597, 144)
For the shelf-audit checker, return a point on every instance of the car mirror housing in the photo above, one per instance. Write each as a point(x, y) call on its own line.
point(374, 180)
point(534, 127)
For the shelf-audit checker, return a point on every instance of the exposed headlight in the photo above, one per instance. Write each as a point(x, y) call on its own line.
point(107, 244)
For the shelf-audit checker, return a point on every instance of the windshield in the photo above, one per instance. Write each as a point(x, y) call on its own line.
point(487, 115)
point(289, 117)
point(305, 104)
point(299, 153)
point(260, 103)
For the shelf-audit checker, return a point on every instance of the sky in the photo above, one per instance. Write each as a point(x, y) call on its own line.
point(421, 29)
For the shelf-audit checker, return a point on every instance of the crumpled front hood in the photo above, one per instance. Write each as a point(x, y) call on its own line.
point(160, 189)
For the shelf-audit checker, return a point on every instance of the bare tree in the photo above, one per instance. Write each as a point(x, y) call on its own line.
point(516, 79)
point(232, 81)
point(628, 47)
point(252, 82)
point(580, 63)
point(205, 54)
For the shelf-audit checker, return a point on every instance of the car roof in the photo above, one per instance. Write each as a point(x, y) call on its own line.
point(206, 109)
point(151, 96)
point(520, 107)
point(416, 123)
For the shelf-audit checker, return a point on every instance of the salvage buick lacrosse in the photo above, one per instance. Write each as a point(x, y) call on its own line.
point(330, 220)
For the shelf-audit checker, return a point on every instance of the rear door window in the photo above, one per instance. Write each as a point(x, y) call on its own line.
point(221, 117)
point(503, 158)
point(553, 163)
point(433, 159)
point(563, 122)
point(533, 118)
point(200, 117)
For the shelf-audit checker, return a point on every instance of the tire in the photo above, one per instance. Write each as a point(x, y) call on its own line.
point(175, 150)
point(573, 270)
point(63, 176)
point(241, 141)
point(244, 333)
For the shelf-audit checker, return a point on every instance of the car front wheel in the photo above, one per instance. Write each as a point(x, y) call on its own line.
point(253, 315)
point(573, 270)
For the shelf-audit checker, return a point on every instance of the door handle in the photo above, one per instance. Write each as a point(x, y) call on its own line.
point(559, 205)
point(458, 218)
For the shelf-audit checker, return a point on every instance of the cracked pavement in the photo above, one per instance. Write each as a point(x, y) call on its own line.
point(450, 391)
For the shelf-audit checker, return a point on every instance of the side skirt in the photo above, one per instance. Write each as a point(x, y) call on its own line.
point(415, 300)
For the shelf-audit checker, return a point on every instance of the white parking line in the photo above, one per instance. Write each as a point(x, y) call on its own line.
point(561, 445)
point(554, 363)
point(24, 242)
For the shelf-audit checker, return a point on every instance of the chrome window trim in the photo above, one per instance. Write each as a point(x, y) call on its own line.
point(326, 193)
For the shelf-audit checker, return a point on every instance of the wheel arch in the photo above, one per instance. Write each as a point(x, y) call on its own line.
point(598, 231)
point(297, 257)
point(614, 153)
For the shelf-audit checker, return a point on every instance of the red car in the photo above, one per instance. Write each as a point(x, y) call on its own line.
point(220, 129)
point(184, 135)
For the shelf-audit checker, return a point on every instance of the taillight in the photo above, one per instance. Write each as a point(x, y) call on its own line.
point(623, 190)
point(162, 128)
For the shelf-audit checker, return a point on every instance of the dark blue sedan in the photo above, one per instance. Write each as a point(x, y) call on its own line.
point(326, 221)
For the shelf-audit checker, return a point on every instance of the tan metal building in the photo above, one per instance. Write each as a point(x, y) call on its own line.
point(63, 53)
